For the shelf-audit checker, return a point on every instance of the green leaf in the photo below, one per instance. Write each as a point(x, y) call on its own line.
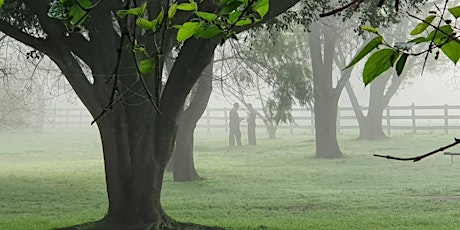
point(160, 17)
point(455, 11)
point(147, 65)
point(187, 30)
point(207, 33)
point(230, 8)
point(146, 24)
point(86, 4)
point(188, 6)
point(206, 16)
point(374, 43)
point(1, 3)
point(441, 35)
point(77, 15)
point(422, 25)
point(234, 16)
point(243, 22)
point(452, 50)
point(122, 13)
point(370, 29)
point(139, 11)
point(401, 63)
point(417, 40)
point(261, 7)
point(172, 11)
point(378, 63)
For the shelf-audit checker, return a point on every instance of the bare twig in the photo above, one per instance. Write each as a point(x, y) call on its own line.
point(435, 32)
point(338, 10)
point(417, 158)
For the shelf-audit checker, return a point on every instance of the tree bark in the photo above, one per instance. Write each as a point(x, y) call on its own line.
point(370, 126)
point(133, 174)
point(322, 48)
point(182, 160)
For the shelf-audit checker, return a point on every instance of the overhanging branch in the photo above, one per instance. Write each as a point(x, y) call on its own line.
point(417, 158)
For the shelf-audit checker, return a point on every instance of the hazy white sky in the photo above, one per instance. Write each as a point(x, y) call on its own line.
point(426, 89)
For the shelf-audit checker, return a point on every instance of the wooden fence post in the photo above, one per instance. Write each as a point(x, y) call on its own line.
point(388, 120)
point(446, 119)
point(81, 118)
point(413, 118)
point(208, 121)
point(312, 121)
point(225, 120)
point(67, 117)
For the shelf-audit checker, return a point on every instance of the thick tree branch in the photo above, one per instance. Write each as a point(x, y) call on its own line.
point(17, 34)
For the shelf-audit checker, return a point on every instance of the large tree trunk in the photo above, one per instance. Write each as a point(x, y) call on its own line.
point(370, 126)
point(182, 160)
point(322, 48)
point(138, 142)
point(134, 174)
point(326, 129)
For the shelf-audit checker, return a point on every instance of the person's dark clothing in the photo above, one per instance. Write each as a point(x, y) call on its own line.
point(252, 127)
point(234, 133)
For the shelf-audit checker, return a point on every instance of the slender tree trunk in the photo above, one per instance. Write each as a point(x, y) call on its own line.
point(370, 126)
point(182, 161)
point(271, 129)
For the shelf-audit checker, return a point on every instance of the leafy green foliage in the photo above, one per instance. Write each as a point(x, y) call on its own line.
point(187, 30)
point(401, 63)
point(205, 25)
point(455, 11)
point(378, 63)
point(147, 66)
point(441, 35)
point(422, 26)
point(369, 47)
point(234, 13)
point(72, 12)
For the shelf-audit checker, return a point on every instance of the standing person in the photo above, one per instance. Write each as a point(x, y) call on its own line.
point(234, 133)
point(251, 124)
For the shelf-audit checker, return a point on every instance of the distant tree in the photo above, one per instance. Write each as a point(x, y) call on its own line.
point(325, 39)
point(441, 36)
point(271, 69)
point(383, 89)
point(183, 166)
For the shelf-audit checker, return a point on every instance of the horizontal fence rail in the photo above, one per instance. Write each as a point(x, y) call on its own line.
point(412, 118)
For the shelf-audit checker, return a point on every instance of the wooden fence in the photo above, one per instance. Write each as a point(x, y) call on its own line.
point(412, 118)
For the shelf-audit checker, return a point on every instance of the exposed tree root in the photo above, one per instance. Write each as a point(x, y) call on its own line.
point(172, 225)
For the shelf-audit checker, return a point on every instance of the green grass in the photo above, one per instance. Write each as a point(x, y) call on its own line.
point(56, 179)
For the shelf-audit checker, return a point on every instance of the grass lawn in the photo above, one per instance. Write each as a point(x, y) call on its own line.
point(56, 179)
